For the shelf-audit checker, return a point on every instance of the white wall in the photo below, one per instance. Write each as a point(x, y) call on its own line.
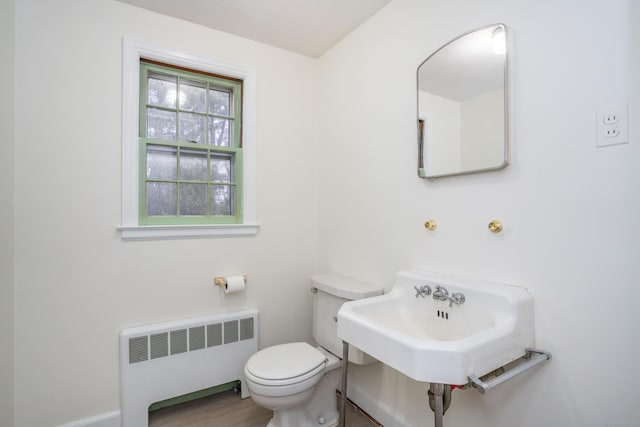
point(7, 50)
point(570, 210)
point(77, 283)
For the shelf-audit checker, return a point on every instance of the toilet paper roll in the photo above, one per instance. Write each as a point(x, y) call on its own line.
point(234, 284)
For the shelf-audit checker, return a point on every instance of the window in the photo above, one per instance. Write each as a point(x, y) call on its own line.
point(188, 145)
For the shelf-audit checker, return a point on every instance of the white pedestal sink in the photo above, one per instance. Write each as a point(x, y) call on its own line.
point(441, 341)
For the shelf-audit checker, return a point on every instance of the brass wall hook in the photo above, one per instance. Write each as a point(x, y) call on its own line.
point(495, 226)
point(431, 224)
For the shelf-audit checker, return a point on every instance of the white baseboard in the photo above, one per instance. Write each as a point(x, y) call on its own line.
point(110, 419)
point(381, 412)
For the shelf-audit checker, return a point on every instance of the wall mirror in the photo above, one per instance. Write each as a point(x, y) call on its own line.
point(462, 105)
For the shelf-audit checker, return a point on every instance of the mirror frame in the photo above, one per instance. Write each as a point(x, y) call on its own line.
point(507, 128)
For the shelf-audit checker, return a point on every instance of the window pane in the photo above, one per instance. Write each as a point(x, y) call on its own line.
point(222, 200)
point(161, 198)
point(161, 162)
point(193, 199)
point(161, 124)
point(189, 138)
point(220, 132)
point(192, 127)
point(161, 90)
point(193, 165)
point(219, 103)
point(192, 96)
point(221, 168)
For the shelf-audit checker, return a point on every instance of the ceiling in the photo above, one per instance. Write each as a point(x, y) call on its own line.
point(308, 27)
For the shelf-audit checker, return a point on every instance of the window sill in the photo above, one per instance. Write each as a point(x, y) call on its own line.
point(165, 232)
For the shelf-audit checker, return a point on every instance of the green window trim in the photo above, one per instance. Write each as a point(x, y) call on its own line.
point(231, 153)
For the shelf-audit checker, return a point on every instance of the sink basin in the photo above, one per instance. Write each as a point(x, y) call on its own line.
point(441, 341)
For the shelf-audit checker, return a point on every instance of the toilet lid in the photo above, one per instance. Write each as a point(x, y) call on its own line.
point(285, 361)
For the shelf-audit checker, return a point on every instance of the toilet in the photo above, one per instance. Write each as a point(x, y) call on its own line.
point(297, 381)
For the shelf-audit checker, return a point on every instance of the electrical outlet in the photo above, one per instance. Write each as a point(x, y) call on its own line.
point(611, 118)
point(612, 125)
point(611, 131)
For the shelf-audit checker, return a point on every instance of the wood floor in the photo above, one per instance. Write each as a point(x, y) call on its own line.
point(229, 410)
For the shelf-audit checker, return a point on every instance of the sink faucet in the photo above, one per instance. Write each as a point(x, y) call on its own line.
point(440, 294)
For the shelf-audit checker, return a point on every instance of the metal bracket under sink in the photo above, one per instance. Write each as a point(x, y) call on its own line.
point(533, 357)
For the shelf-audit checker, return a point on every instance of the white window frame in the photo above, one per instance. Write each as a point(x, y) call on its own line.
point(132, 51)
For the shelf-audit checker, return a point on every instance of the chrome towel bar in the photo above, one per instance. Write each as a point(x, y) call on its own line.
point(533, 356)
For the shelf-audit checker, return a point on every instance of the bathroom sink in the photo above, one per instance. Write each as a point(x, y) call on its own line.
point(441, 341)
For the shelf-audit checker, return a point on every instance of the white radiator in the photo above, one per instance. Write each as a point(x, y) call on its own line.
point(166, 360)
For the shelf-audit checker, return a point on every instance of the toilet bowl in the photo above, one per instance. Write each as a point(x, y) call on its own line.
point(297, 381)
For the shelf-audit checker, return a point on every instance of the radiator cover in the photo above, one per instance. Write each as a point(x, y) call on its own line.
point(165, 360)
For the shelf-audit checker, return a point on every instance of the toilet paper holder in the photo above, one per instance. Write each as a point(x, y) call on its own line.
point(222, 281)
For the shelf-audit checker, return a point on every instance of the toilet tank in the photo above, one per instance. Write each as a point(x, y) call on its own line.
point(330, 291)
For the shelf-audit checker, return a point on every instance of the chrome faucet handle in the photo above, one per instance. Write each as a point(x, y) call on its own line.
point(457, 297)
point(422, 291)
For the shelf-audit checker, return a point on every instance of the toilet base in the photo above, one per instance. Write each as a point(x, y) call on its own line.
point(320, 411)
point(301, 418)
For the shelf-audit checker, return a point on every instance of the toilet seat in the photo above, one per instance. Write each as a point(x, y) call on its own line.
point(285, 364)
